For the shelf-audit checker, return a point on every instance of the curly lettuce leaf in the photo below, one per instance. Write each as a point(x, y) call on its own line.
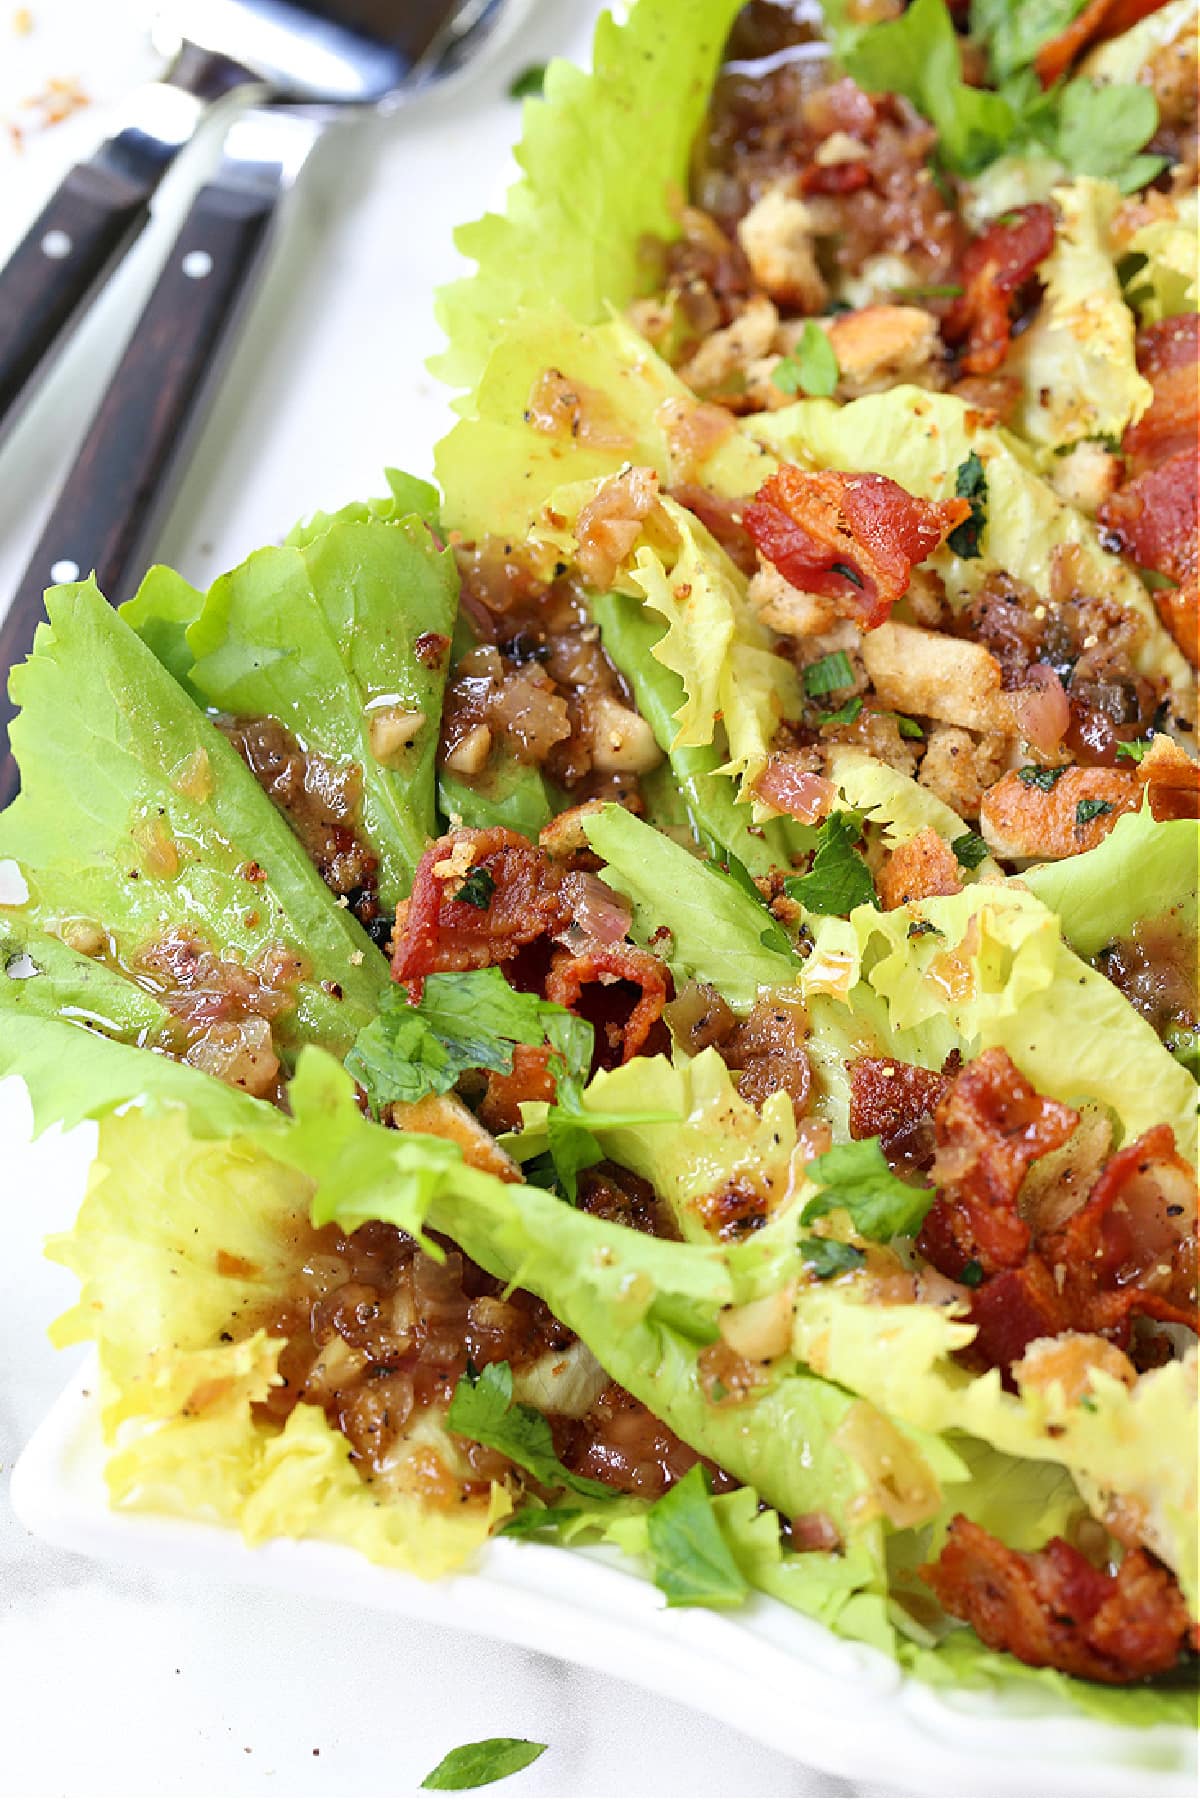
point(1077, 361)
point(180, 1243)
point(135, 816)
point(496, 468)
point(920, 439)
point(1165, 260)
point(994, 970)
point(408, 497)
point(322, 638)
point(706, 798)
point(1115, 1441)
point(1144, 870)
point(604, 156)
point(899, 806)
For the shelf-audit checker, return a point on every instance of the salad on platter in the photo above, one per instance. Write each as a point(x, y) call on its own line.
point(645, 992)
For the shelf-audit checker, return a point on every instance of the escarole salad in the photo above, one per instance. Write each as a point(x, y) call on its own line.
point(647, 992)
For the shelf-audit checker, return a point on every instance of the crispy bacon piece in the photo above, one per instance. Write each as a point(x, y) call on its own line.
point(1012, 1310)
point(1167, 354)
point(441, 931)
point(529, 1079)
point(835, 178)
point(608, 964)
point(990, 1126)
point(1130, 1249)
point(1099, 20)
point(894, 1101)
point(1133, 1242)
point(1053, 1610)
point(1154, 518)
point(853, 538)
point(789, 787)
point(994, 270)
point(1179, 610)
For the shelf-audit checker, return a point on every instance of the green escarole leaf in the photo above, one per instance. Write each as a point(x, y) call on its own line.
point(137, 818)
point(41, 975)
point(719, 931)
point(478, 1765)
point(710, 808)
point(344, 640)
point(483, 1409)
point(839, 879)
point(855, 1179)
point(1143, 871)
point(693, 1565)
point(604, 156)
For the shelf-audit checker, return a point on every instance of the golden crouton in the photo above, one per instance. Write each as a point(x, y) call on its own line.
point(878, 346)
point(777, 235)
point(952, 679)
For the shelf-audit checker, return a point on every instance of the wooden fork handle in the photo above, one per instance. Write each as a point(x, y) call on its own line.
point(134, 448)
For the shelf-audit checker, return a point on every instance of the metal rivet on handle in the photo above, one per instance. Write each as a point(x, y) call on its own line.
point(56, 245)
point(66, 570)
point(196, 265)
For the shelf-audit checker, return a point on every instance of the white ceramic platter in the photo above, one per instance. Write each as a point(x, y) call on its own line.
point(773, 1674)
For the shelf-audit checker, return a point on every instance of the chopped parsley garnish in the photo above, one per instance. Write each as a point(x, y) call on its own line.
point(923, 928)
point(1035, 775)
point(826, 1257)
point(827, 673)
point(693, 1565)
point(839, 879)
point(970, 849)
point(845, 715)
point(478, 1765)
point(483, 1409)
point(970, 483)
point(908, 727)
point(811, 368)
point(1093, 129)
point(855, 1178)
point(529, 83)
point(464, 1020)
point(972, 1273)
point(1087, 810)
point(477, 889)
point(847, 573)
point(1134, 750)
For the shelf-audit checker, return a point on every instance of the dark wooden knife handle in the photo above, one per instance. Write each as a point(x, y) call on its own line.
point(85, 228)
point(134, 447)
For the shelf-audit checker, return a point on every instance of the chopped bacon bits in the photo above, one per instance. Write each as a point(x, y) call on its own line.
point(996, 267)
point(1154, 519)
point(1099, 20)
point(1053, 1609)
point(917, 870)
point(441, 932)
point(790, 788)
point(990, 1126)
point(1134, 1239)
point(853, 538)
point(894, 1101)
point(1167, 354)
point(608, 964)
